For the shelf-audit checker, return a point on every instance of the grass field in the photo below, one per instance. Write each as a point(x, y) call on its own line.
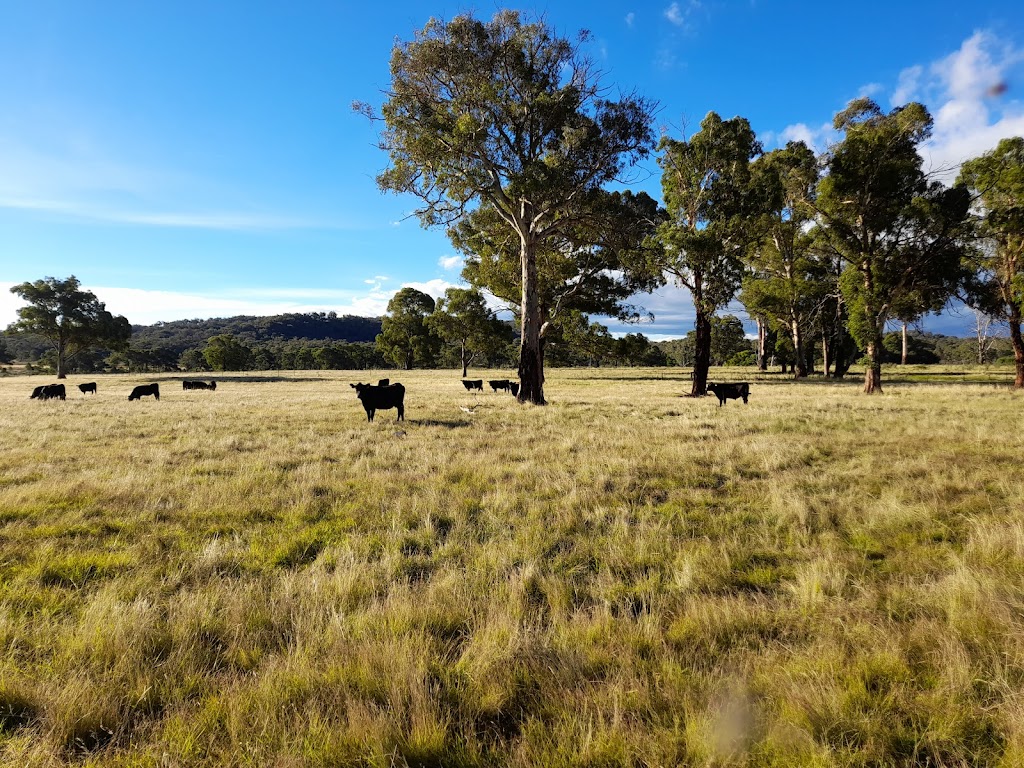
point(626, 577)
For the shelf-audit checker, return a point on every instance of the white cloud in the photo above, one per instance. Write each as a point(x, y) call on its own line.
point(817, 139)
point(907, 85)
point(675, 15)
point(870, 89)
point(630, 18)
point(449, 263)
point(435, 287)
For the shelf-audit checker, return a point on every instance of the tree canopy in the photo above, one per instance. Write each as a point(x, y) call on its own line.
point(405, 336)
point(508, 117)
point(70, 319)
point(997, 180)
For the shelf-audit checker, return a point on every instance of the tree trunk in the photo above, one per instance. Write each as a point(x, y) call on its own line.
point(531, 354)
point(826, 362)
point(701, 353)
point(800, 368)
point(762, 340)
point(903, 353)
point(873, 373)
point(61, 360)
point(465, 361)
point(1018, 349)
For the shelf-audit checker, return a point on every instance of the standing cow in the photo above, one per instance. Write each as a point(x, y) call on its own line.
point(377, 398)
point(87, 389)
point(732, 391)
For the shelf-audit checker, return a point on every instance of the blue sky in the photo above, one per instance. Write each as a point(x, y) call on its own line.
point(198, 159)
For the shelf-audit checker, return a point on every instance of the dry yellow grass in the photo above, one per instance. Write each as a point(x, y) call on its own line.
point(257, 576)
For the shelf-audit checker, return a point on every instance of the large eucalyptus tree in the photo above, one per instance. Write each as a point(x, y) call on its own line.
point(786, 280)
point(899, 234)
point(710, 202)
point(507, 115)
point(997, 179)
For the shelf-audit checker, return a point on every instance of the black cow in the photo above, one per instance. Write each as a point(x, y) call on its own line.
point(383, 382)
point(732, 391)
point(497, 384)
point(471, 384)
point(378, 398)
point(198, 385)
point(87, 389)
point(48, 392)
point(514, 388)
point(143, 390)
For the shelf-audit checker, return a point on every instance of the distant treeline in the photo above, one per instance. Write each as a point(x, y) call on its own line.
point(327, 341)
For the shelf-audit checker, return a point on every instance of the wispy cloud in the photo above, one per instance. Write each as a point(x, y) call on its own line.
point(680, 14)
point(146, 306)
point(630, 18)
point(213, 220)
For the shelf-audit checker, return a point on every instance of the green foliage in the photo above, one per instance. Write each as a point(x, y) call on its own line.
point(920, 349)
point(461, 318)
point(226, 353)
point(728, 342)
point(406, 338)
point(70, 319)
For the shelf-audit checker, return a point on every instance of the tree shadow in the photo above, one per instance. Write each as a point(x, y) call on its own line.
point(446, 423)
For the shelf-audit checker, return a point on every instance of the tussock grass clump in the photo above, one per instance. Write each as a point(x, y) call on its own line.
point(626, 577)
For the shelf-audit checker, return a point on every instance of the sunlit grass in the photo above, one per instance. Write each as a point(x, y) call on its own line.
point(258, 576)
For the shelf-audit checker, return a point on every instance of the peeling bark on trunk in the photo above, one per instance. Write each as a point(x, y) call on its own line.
point(531, 351)
point(762, 340)
point(61, 360)
point(903, 352)
point(826, 360)
point(873, 373)
point(800, 369)
point(1018, 349)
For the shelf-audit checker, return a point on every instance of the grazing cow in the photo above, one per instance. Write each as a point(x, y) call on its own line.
point(198, 385)
point(186, 384)
point(730, 391)
point(497, 384)
point(48, 392)
point(143, 390)
point(88, 389)
point(378, 398)
point(514, 388)
point(471, 384)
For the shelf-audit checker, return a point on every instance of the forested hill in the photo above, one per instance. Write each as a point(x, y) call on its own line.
point(180, 335)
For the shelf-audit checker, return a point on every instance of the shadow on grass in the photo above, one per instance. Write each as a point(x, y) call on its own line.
point(264, 379)
point(447, 423)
